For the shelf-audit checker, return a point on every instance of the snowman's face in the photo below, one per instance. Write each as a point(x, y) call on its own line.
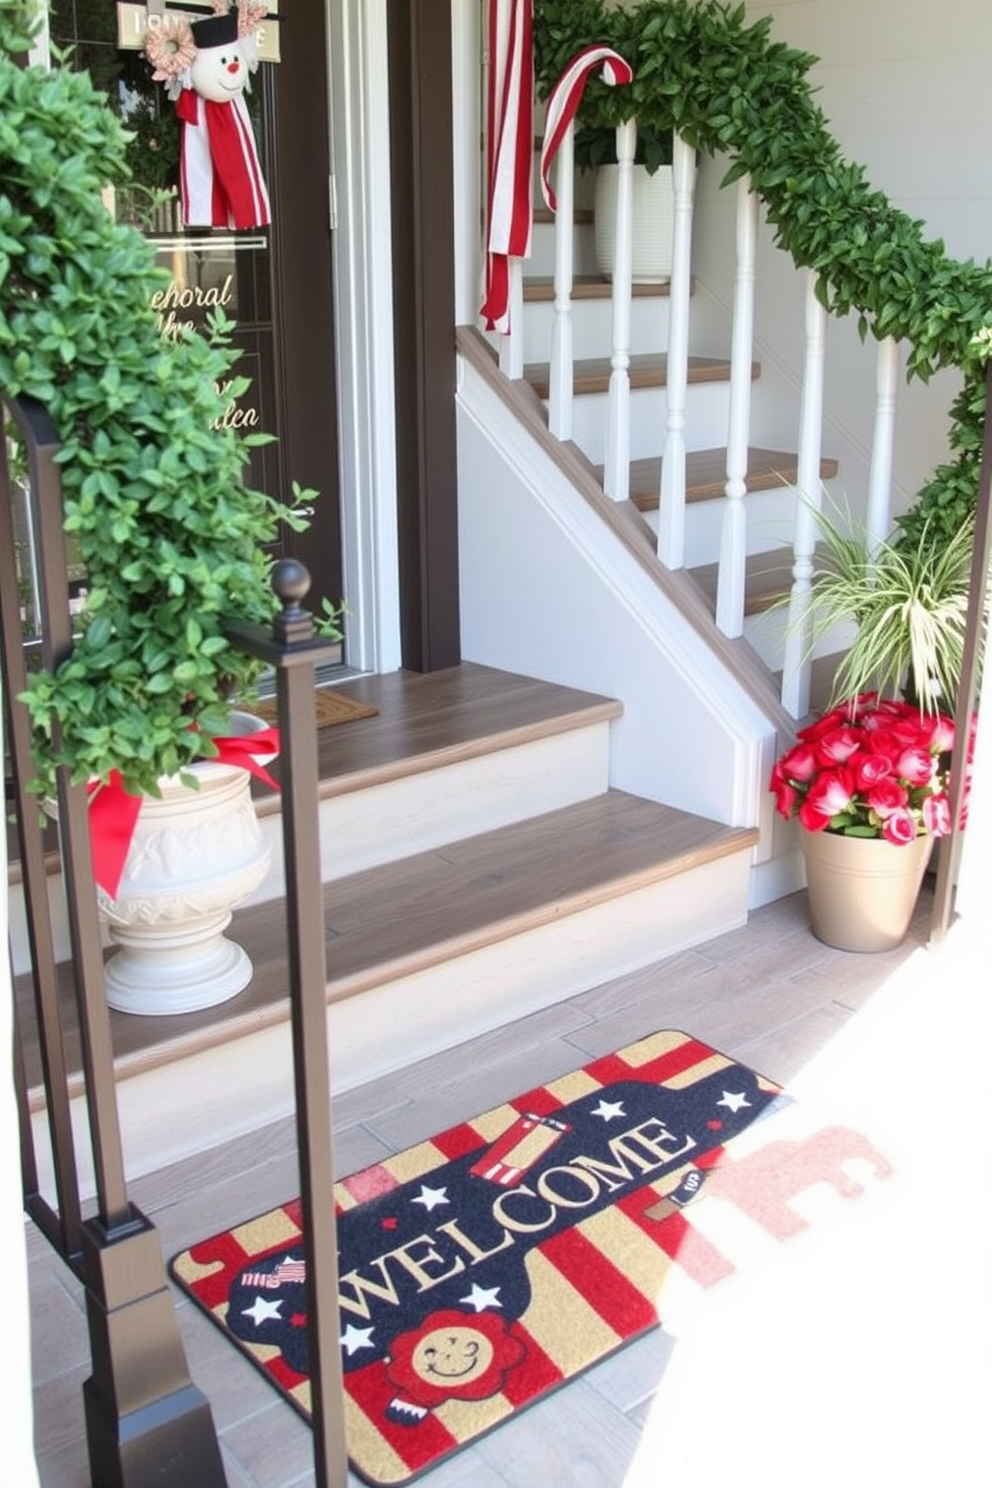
point(219, 73)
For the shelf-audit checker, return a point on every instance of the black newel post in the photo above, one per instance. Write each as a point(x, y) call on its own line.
point(293, 651)
point(969, 686)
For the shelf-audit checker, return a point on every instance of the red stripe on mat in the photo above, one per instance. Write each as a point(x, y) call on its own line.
point(458, 1140)
point(600, 1283)
point(537, 1373)
point(612, 1068)
point(539, 1102)
point(223, 1249)
point(372, 1392)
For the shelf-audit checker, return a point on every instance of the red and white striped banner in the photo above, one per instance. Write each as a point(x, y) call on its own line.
point(565, 99)
point(510, 152)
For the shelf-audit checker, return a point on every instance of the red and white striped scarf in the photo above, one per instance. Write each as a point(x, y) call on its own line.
point(511, 150)
point(564, 102)
point(221, 181)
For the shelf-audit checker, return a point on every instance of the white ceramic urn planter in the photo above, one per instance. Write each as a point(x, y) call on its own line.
point(194, 856)
point(652, 227)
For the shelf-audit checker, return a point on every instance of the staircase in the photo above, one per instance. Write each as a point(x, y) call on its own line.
point(477, 865)
point(772, 475)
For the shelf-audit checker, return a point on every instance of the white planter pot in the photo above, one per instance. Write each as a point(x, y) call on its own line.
point(653, 222)
point(194, 856)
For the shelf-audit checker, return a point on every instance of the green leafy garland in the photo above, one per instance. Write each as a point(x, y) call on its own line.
point(727, 88)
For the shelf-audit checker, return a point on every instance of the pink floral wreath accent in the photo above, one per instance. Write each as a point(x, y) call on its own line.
point(250, 14)
point(169, 46)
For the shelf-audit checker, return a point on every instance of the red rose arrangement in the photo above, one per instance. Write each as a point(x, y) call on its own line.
point(869, 768)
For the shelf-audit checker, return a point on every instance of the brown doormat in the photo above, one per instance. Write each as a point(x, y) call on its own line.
point(332, 707)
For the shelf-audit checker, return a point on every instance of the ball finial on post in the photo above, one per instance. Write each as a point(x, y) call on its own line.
point(291, 583)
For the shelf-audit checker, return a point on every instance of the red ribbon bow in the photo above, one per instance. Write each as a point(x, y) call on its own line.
point(113, 811)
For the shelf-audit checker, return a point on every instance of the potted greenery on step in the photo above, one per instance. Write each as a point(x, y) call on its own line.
point(602, 109)
point(908, 598)
point(172, 539)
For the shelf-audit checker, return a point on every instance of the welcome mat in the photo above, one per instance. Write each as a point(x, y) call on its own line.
point(485, 1267)
point(331, 707)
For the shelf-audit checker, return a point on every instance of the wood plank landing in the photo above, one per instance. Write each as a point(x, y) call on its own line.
point(768, 994)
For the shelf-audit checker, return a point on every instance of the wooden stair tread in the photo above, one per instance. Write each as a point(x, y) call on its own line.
point(768, 579)
point(439, 718)
point(581, 216)
point(426, 720)
point(540, 289)
point(646, 370)
point(407, 915)
point(706, 474)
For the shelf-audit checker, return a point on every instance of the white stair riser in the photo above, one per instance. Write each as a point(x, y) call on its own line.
point(240, 1087)
point(770, 524)
point(419, 813)
point(706, 420)
point(413, 814)
point(541, 263)
point(592, 327)
point(767, 634)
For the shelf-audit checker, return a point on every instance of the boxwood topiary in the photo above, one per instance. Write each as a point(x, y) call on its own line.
point(172, 539)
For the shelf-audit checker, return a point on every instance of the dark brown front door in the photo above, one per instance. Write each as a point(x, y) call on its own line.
point(274, 282)
point(296, 102)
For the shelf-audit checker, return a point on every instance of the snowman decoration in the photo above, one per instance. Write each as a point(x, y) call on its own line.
point(207, 66)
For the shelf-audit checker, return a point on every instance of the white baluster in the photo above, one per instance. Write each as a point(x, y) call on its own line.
point(616, 474)
point(879, 516)
point(671, 510)
point(733, 542)
point(561, 372)
point(511, 346)
point(798, 662)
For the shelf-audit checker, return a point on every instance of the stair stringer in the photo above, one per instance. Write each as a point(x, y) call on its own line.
point(558, 582)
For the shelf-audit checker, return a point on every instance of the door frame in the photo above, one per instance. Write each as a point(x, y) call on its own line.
point(358, 70)
point(399, 538)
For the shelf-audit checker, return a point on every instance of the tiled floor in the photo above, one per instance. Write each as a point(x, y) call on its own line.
point(770, 995)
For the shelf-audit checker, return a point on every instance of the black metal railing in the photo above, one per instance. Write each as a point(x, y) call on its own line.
point(147, 1423)
point(969, 685)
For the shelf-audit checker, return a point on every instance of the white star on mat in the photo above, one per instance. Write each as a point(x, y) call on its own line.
point(608, 1110)
point(431, 1197)
point(733, 1102)
point(262, 1311)
point(480, 1298)
point(354, 1339)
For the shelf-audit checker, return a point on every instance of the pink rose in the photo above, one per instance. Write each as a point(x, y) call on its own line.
point(825, 725)
point(869, 769)
point(937, 815)
point(915, 766)
point(799, 763)
point(828, 796)
point(886, 797)
point(836, 747)
point(939, 734)
point(786, 797)
point(900, 828)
